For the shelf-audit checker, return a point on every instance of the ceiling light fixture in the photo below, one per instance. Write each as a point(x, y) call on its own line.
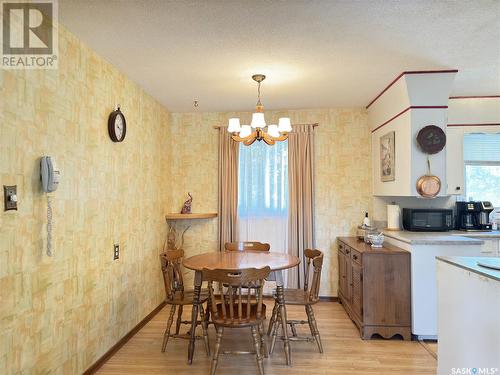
point(246, 134)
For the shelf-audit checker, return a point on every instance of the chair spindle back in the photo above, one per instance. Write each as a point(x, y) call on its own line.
point(314, 258)
point(171, 261)
point(248, 245)
point(241, 301)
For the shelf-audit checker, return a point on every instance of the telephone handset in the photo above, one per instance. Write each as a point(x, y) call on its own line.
point(50, 176)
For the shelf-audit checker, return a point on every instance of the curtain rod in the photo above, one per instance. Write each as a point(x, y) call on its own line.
point(224, 126)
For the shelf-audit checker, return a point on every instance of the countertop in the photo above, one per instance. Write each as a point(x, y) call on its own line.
point(491, 234)
point(470, 264)
point(363, 247)
point(437, 238)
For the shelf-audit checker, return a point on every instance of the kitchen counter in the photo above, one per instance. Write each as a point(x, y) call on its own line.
point(470, 264)
point(435, 238)
point(424, 248)
point(491, 234)
point(468, 306)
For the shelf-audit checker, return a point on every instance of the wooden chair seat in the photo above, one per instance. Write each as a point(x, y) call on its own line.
point(187, 298)
point(297, 297)
point(244, 321)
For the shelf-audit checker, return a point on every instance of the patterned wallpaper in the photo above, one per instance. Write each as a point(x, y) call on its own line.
point(59, 315)
point(343, 175)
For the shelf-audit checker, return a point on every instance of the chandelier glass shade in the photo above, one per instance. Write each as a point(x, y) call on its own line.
point(258, 130)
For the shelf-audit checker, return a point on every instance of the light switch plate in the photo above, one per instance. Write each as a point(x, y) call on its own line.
point(9, 202)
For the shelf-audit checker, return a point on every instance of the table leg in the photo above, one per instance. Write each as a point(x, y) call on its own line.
point(282, 315)
point(194, 315)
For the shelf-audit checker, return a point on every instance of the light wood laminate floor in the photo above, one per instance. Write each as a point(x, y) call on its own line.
point(345, 352)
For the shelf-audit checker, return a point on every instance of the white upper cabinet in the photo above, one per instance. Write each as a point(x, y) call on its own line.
point(411, 102)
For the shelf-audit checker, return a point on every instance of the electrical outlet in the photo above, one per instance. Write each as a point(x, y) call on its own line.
point(10, 197)
point(116, 252)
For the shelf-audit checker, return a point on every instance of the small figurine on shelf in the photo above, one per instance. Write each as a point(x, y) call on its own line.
point(186, 209)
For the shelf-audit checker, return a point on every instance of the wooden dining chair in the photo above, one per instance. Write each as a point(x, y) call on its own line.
point(176, 295)
point(240, 306)
point(303, 297)
point(246, 245)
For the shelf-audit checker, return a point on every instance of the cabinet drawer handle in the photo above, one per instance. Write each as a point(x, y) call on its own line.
point(347, 251)
point(355, 257)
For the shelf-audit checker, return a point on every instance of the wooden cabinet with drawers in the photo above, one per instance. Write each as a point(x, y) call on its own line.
point(374, 287)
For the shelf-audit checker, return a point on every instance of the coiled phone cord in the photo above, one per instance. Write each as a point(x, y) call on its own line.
point(49, 226)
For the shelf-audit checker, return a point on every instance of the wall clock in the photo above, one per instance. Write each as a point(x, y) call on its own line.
point(117, 126)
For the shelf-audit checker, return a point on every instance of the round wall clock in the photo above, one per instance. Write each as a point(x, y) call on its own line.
point(431, 139)
point(117, 126)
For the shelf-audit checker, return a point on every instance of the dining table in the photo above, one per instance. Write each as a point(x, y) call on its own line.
point(234, 261)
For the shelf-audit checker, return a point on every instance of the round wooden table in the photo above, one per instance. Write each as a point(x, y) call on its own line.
point(236, 260)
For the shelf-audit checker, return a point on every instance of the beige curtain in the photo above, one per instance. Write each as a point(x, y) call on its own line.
point(301, 196)
point(228, 187)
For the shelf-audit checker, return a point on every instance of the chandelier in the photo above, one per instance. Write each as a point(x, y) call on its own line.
point(257, 131)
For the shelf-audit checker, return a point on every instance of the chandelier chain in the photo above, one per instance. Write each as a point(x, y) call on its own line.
point(258, 94)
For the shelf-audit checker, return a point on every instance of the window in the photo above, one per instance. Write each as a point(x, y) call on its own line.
point(263, 179)
point(263, 194)
point(482, 167)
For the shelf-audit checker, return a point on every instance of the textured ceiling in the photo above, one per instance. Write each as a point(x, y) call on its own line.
point(315, 53)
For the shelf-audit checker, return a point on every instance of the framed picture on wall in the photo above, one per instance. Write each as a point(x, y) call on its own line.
point(387, 157)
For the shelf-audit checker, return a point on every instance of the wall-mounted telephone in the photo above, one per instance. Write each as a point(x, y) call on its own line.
point(50, 176)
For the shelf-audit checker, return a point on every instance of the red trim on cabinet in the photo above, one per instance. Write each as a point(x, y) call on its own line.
point(475, 97)
point(384, 90)
point(409, 72)
point(392, 118)
point(407, 109)
point(429, 107)
point(484, 124)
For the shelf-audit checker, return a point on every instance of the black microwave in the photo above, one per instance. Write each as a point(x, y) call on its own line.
point(427, 219)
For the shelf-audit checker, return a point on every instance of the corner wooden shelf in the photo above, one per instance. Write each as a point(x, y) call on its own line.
point(175, 216)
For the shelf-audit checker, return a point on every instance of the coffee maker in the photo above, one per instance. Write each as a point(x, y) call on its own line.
point(474, 216)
